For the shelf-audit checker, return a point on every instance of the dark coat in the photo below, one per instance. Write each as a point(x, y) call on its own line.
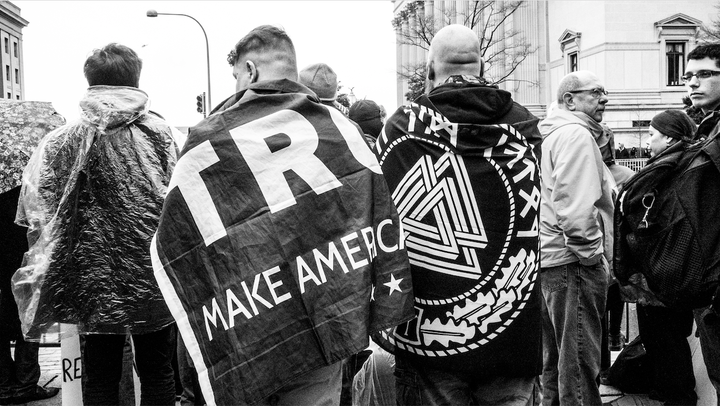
point(14, 244)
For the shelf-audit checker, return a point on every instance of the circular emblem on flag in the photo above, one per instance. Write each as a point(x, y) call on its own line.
point(470, 223)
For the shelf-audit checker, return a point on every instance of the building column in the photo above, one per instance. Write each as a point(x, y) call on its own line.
point(405, 58)
point(399, 65)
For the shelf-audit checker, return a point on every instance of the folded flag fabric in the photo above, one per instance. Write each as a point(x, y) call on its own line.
point(279, 249)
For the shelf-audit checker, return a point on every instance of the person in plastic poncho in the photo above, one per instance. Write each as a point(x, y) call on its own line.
point(92, 196)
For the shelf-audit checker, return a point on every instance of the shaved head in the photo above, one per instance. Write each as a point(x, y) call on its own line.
point(455, 50)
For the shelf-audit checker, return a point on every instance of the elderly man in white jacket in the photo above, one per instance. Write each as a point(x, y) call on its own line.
point(576, 241)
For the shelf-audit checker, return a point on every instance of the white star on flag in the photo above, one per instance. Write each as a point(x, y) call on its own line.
point(394, 284)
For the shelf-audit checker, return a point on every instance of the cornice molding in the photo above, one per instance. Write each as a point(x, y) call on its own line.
point(569, 37)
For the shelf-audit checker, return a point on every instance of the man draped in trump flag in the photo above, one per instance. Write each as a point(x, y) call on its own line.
point(279, 249)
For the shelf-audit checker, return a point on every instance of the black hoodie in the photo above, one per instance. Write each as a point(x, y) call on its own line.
point(463, 166)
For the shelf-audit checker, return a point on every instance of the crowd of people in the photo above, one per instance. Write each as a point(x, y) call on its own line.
point(470, 239)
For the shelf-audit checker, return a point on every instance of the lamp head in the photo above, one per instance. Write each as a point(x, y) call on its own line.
point(152, 13)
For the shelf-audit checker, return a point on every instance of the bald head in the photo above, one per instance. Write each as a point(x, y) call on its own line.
point(574, 81)
point(455, 50)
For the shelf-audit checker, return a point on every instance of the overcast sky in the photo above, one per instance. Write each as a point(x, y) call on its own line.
point(354, 37)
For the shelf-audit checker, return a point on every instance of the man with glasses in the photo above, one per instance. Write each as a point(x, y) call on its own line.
point(702, 78)
point(576, 241)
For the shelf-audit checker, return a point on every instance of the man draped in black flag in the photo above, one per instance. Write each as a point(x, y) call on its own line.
point(279, 249)
point(462, 164)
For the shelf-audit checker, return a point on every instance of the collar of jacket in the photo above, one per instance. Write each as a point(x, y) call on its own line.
point(108, 107)
point(265, 87)
point(707, 127)
point(567, 117)
point(469, 99)
point(597, 130)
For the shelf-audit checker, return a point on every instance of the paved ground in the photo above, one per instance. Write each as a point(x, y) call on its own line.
point(51, 366)
point(50, 374)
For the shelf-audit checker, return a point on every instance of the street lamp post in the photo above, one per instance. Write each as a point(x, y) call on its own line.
point(153, 13)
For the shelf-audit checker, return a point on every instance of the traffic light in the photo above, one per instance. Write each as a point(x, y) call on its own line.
point(200, 102)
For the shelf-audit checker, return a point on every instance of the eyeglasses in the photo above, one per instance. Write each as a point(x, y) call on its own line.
point(703, 74)
point(596, 93)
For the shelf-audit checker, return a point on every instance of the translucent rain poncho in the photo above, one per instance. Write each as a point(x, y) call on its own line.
point(92, 195)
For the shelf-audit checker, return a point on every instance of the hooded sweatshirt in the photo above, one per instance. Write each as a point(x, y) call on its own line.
point(462, 164)
point(577, 192)
point(92, 195)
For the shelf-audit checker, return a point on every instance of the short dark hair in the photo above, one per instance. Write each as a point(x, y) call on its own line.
point(262, 38)
point(113, 65)
point(711, 51)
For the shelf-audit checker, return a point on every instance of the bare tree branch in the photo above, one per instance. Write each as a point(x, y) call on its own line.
point(711, 33)
point(500, 46)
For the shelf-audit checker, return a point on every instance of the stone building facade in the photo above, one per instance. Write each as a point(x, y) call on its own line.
point(11, 55)
point(637, 48)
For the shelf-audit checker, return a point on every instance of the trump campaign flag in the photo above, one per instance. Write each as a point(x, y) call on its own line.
point(279, 249)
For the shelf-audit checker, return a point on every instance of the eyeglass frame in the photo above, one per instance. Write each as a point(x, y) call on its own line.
point(596, 92)
point(706, 74)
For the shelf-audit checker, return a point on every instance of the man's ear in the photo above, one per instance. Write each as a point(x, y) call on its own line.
point(430, 78)
point(251, 70)
point(569, 101)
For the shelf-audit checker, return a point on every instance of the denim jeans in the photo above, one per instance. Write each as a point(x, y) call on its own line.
point(708, 326)
point(572, 332)
point(419, 385)
point(102, 361)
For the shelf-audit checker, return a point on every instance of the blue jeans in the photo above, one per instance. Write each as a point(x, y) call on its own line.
point(102, 362)
point(572, 332)
point(418, 385)
point(708, 325)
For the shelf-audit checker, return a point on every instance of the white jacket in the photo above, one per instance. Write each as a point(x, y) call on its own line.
point(578, 191)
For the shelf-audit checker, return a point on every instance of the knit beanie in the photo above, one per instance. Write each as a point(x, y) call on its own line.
point(321, 79)
point(363, 110)
point(674, 124)
point(367, 114)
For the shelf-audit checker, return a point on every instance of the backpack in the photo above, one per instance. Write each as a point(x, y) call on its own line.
point(667, 224)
